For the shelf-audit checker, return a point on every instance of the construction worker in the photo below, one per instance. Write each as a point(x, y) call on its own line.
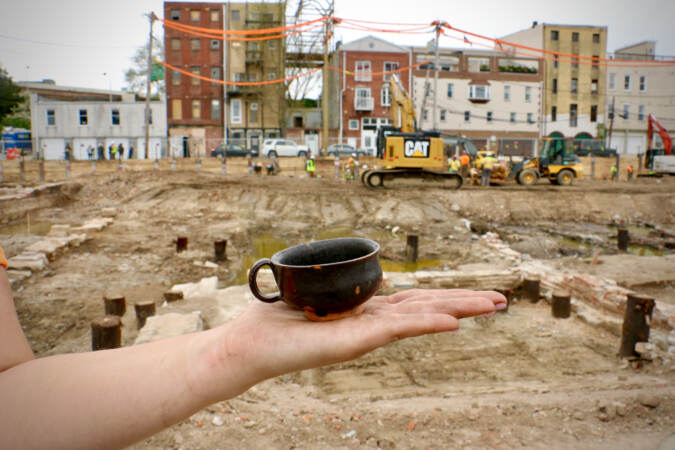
point(629, 172)
point(613, 172)
point(310, 166)
point(350, 169)
point(454, 164)
point(464, 161)
point(487, 162)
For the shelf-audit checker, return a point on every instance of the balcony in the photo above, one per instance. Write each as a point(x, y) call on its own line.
point(364, 103)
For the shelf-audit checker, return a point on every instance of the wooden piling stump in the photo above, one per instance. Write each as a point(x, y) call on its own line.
point(622, 239)
point(508, 293)
point(181, 244)
point(561, 304)
point(143, 311)
point(106, 333)
point(412, 247)
point(115, 305)
point(172, 296)
point(639, 309)
point(42, 169)
point(530, 289)
point(220, 250)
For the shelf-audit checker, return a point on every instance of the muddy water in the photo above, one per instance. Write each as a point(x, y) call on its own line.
point(26, 228)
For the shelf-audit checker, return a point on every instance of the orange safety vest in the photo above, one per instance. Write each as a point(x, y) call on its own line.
point(464, 160)
point(629, 169)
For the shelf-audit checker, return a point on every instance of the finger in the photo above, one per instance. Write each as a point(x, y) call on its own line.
point(406, 295)
point(459, 307)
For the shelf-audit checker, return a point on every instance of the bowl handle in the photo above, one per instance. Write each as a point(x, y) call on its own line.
point(253, 284)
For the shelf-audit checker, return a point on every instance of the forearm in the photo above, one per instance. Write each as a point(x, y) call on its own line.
point(110, 399)
point(14, 348)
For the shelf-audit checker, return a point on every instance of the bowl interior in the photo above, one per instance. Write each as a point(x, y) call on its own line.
point(330, 251)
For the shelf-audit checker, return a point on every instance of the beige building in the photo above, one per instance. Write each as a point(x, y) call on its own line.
point(637, 92)
point(574, 88)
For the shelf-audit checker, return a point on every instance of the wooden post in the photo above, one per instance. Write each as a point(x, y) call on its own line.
point(220, 249)
point(181, 244)
point(42, 170)
point(508, 293)
point(636, 322)
point(68, 172)
point(22, 170)
point(531, 289)
point(592, 166)
point(93, 167)
point(622, 239)
point(0, 171)
point(115, 305)
point(143, 311)
point(172, 296)
point(106, 332)
point(560, 304)
point(223, 166)
point(412, 247)
point(199, 164)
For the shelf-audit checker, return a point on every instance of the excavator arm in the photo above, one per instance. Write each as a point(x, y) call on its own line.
point(665, 137)
point(402, 110)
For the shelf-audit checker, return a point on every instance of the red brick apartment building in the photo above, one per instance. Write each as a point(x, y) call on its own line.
point(364, 95)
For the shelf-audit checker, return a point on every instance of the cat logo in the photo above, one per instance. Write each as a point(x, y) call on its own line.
point(416, 148)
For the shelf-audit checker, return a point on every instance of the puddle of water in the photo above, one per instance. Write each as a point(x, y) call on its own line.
point(407, 266)
point(641, 250)
point(264, 246)
point(24, 228)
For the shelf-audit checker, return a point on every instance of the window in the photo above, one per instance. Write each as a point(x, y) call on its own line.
point(643, 83)
point(272, 75)
point(175, 14)
point(115, 117)
point(573, 115)
point(554, 113)
point(595, 62)
point(594, 113)
point(443, 115)
point(51, 117)
point(195, 15)
point(353, 124)
point(575, 63)
point(530, 118)
point(479, 64)
point(425, 115)
point(362, 99)
point(215, 44)
point(215, 109)
point(507, 93)
point(175, 43)
point(575, 36)
point(196, 109)
point(478, 92)
point(175, 78)
point(626, 111)
point(467, 116)
point(253, 114)
point(149, 116)
point(594, 86)
point(388, 67)
point(362, 71)
point(574, 85)
point(610, 111)
point(512, 117)
point(215, 72)
point(83, 117)
point(449, 90)
point(626, 83)
point(235, 15)
point(554, 35)
point(596, 38)
point(555, 86)
point(612, 81)
point(176, 109)
point(641, 112)
point(528, 94)
point(385, 95)
point(555, 61)
point(195, 45)
point(235, 111)
point(195, 71)
point(214, 15)
point(489, 116)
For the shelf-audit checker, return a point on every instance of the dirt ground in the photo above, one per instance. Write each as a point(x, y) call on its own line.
point(520, 379)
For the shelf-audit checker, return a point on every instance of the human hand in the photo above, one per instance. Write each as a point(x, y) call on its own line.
point(269, 340)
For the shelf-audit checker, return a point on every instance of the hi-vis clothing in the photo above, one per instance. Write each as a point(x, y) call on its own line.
point(454, 165)
point(489, 162)
point(309, 167)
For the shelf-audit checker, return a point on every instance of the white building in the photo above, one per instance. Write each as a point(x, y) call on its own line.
point(83, 119)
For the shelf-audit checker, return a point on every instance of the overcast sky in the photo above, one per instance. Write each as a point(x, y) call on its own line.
point(76, 42)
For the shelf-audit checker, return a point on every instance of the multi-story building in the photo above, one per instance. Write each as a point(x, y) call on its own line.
point(492, 98)
point(83, 119)
point(208, 113)
point(574, 79)
point(364, 98)
point(635, 92)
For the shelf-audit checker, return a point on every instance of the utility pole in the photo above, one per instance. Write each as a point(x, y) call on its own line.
point(437, 25)
point(324, 94)
point(611, 124)
point(152, 18)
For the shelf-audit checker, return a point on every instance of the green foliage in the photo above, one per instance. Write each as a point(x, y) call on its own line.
point(137, 75)
point(517, 69)
point(10, 94)
point(15, 122)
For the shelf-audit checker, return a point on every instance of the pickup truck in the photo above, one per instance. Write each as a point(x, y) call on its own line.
point(273, 148)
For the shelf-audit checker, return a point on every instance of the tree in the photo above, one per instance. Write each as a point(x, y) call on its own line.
point(10, 94)
point(136, 75)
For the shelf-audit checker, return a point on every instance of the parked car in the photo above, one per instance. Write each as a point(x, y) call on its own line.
point(284, 147)
point(229, 150)
point(345, 150)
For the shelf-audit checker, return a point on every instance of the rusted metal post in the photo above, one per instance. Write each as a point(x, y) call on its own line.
point(560, 304)
point(411, 249)
point(636, 323)
point(220, 250)
point(106, 333)
point(115, 305)
point(42, 170)
point(143, 311)
point(181, 244)
point(531, 289)
point(622, 239)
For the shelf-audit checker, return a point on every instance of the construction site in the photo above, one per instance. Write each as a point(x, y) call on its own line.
point(166, 246)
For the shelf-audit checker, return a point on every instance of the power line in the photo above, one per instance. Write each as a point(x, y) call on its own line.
point(56, 44)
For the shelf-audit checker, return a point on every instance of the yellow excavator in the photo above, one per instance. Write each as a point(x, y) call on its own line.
point(407, 152)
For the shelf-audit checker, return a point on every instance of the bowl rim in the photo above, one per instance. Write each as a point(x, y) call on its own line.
point(275, 258)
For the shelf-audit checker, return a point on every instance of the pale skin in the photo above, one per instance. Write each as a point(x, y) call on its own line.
point(113, 398)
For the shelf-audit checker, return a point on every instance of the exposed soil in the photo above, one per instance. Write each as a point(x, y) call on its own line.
point(518, 379)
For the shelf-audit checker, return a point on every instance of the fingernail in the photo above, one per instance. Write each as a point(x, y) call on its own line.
point(490, 314)
point(500, 306)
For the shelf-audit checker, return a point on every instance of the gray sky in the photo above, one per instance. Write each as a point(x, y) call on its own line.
point(75, 42)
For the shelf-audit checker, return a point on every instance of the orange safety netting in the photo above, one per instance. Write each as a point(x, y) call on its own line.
point(244, 32)
point(230, 38)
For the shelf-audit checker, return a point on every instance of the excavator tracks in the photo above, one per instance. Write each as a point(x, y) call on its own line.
point(378, 178)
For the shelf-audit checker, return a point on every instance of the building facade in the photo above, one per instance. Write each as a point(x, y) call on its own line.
point(635, 92)
point(573, 86)
point(83, 119)
point(492, 98)
point(365, 98)
point(209, 113)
